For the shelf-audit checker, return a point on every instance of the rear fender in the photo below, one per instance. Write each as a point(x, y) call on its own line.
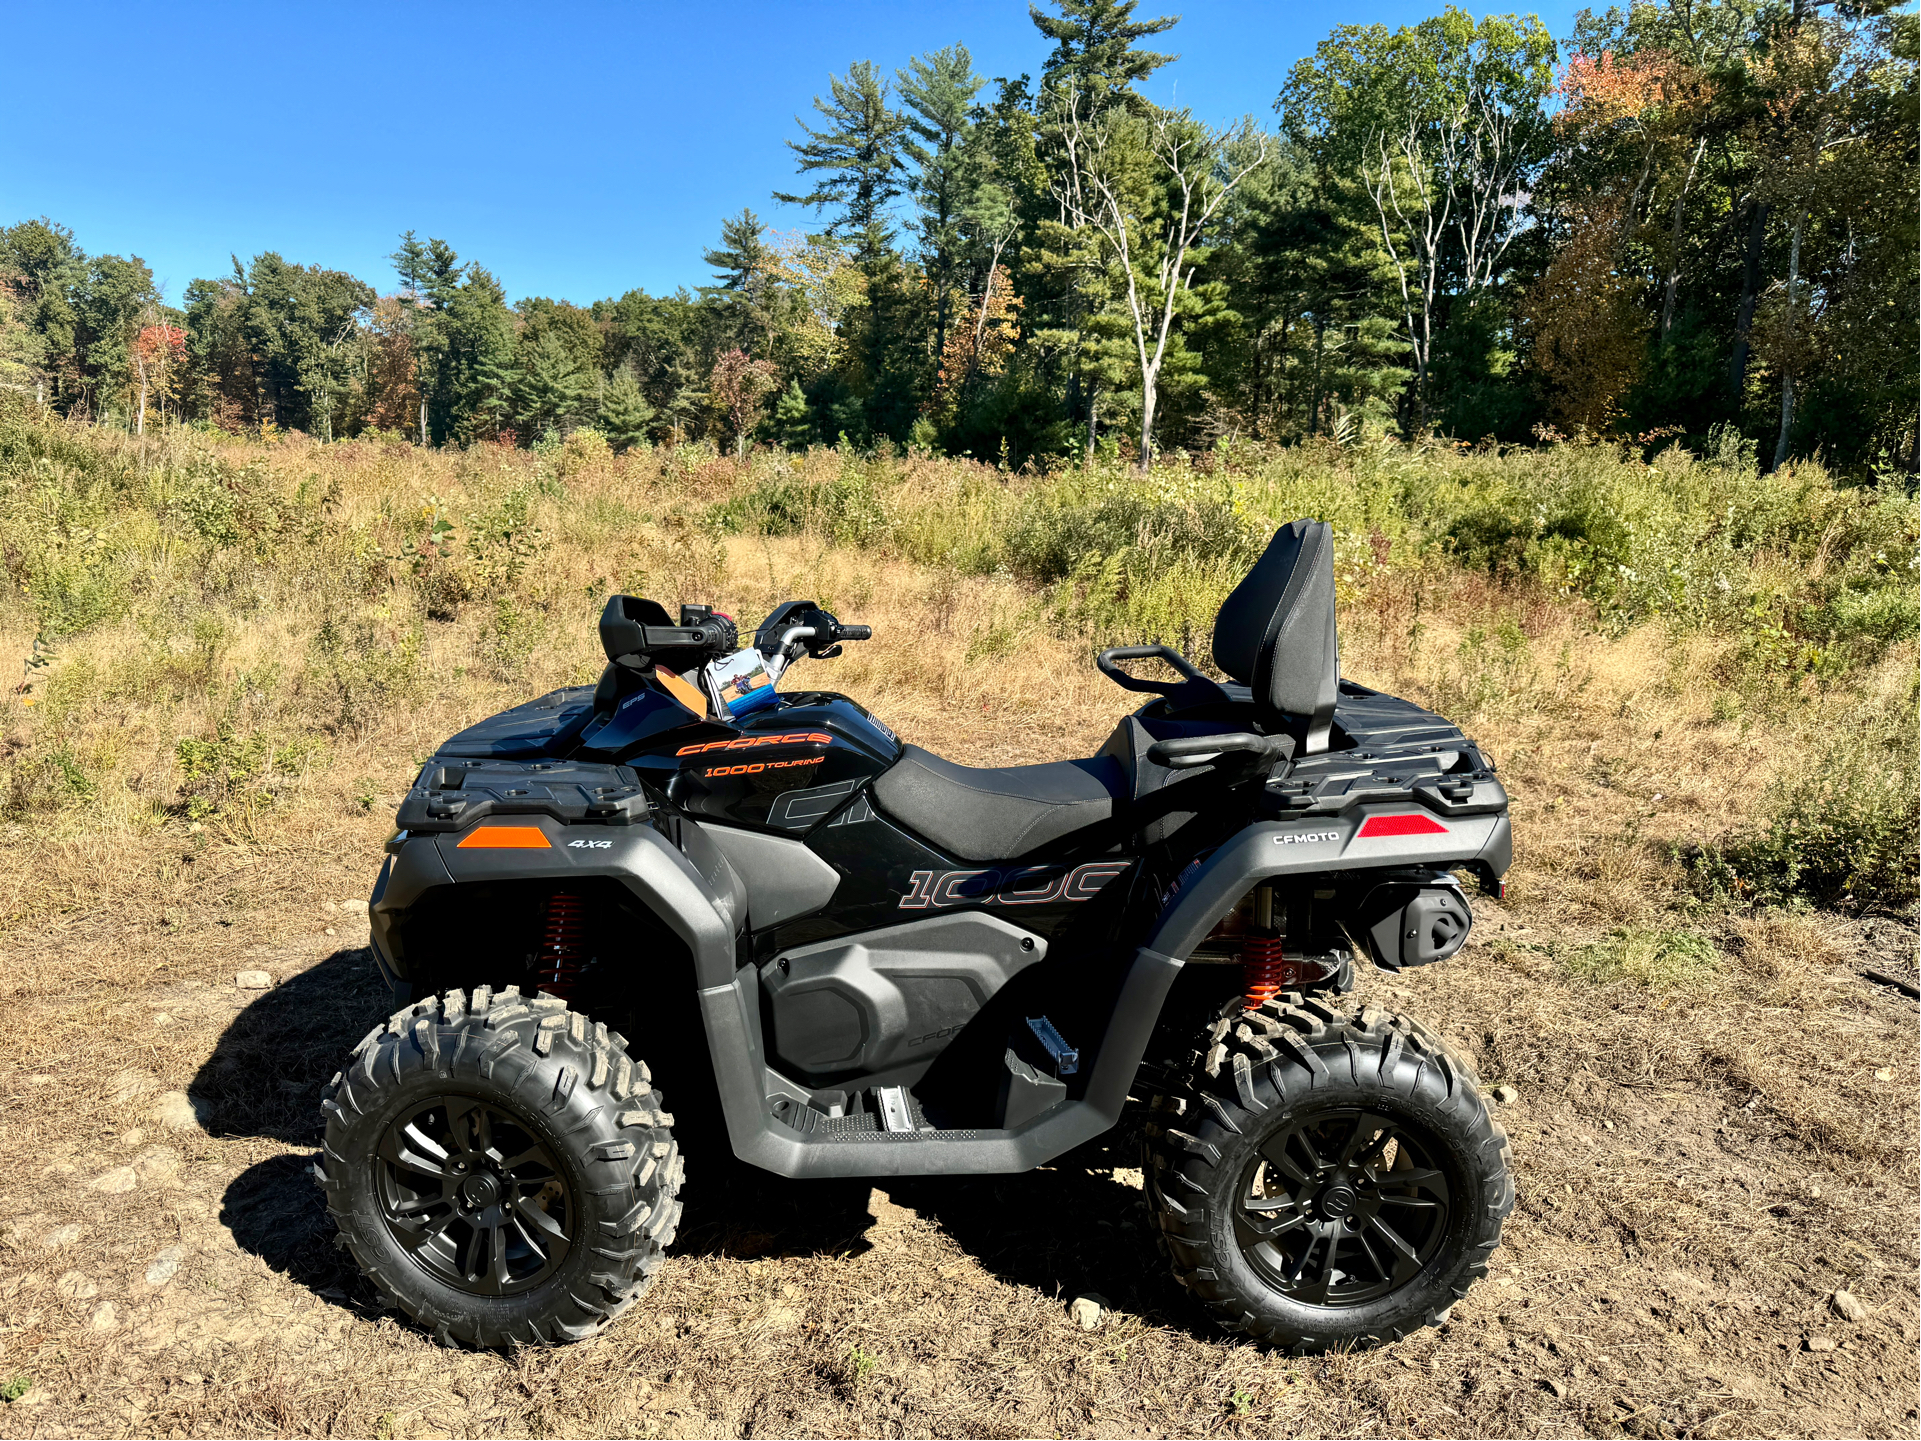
point(1311, 846)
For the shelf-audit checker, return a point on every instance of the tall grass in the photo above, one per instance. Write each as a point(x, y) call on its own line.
point(1816, 577)
point(203, 626)
point(1838, 828)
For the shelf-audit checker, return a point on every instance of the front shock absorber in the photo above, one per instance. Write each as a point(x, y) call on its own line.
point(1264, 971)
point(563, 943)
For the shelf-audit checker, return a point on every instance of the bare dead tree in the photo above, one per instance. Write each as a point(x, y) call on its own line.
point(1153, 254)
point(1451, 186)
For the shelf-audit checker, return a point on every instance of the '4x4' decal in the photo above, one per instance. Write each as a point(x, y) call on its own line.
point(1020, 886)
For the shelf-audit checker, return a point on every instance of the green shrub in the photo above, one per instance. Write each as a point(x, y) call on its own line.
point(361, 670)
point(847, 510)
point(1838, 830)
point(220, 773)
point(509, 640)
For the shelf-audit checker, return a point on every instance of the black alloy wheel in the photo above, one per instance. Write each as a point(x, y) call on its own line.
point(1326, 1177)
point(1343, 1208)
point(474, 1196)
point(501, 1168)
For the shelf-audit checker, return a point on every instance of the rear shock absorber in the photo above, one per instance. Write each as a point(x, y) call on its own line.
point(563, 940)
point(1263, 970)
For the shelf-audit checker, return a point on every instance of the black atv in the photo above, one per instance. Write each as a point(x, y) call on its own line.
point(876, 962)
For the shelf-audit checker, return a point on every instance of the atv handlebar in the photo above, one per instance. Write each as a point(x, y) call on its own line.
point(801, 626)
point(1186, 752)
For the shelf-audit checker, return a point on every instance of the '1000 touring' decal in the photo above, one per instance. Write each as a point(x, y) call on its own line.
point(1021, 886)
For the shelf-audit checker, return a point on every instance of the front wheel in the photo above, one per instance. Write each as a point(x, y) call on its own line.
point(1324, 1178)
point(500, 1168)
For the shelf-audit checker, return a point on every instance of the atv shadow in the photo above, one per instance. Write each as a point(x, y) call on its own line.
point(267, 1069)
point(264, 1080)
point(739, 1211)
point(1066, 1229)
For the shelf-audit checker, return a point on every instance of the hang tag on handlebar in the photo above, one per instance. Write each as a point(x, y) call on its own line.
point(743, 682)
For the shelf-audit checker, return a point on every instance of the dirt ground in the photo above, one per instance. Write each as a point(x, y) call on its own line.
point(1700, 1170)
point(1693, 1190)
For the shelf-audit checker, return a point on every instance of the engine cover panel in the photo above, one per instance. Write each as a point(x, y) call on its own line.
point(893, 996)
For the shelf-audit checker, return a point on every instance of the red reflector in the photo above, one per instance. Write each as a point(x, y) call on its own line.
point(1401, 826)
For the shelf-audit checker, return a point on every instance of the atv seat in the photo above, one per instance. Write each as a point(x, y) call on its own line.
point(1275, 635)
point(986, 814)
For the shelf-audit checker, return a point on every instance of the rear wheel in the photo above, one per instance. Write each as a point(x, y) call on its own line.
point(1327, 1178)
point(500, 1168)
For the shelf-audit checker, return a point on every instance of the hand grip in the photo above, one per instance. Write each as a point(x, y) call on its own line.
point(1186, 752)
point(856, 632)
point(1105, 662)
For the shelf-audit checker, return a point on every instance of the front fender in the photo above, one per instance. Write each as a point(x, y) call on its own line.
point(1309, 847)
point(701, 903)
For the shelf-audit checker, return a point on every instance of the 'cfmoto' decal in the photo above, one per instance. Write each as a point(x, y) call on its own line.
point(1018, 886)
point(1301, 838)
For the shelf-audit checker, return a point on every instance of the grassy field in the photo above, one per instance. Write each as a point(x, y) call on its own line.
point(1700, 684)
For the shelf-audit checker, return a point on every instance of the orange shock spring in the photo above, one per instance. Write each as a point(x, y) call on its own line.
point(1263, 970)
point(563, 938)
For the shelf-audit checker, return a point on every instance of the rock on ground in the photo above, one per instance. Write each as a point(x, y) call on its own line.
point(117, 1182)
point(1087, 1310)
point(165, 1265)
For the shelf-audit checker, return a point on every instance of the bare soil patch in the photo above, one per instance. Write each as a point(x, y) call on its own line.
point(1698, 1176)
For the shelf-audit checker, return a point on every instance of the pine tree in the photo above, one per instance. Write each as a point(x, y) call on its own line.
point(624, 411)
point(430, 274)
point(939, 89)
point(744, 264)
point(859, 153)
point(793, 418)
point(1094, 47)
point(553, 389)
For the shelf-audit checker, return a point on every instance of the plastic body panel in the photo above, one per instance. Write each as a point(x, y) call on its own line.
point(891, 997)
point(785, 768)
point(783, 879)
point(544, 727)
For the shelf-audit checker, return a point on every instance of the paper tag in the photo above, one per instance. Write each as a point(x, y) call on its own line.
point(741, 683)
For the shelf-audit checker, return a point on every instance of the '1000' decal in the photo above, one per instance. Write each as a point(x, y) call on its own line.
point(1022, 886)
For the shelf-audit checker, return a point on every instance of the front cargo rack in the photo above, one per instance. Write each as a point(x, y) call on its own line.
point(451, 795)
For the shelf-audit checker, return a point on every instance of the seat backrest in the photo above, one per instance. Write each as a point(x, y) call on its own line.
point(1275, 632)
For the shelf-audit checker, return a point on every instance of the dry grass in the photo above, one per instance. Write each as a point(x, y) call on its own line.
point(1701, 1163)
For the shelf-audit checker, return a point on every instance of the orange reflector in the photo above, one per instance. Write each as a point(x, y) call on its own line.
point(1401, 826)
point(505, 838)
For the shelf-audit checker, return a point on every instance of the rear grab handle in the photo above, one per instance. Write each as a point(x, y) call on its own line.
point(1186, 752)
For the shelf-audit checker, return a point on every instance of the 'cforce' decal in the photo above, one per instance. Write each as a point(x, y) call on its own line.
point(747, 743)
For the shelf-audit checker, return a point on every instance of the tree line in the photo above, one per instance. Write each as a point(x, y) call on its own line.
point(1689, 218)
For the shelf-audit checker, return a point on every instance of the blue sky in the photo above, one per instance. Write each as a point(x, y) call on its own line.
point(577, 150)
